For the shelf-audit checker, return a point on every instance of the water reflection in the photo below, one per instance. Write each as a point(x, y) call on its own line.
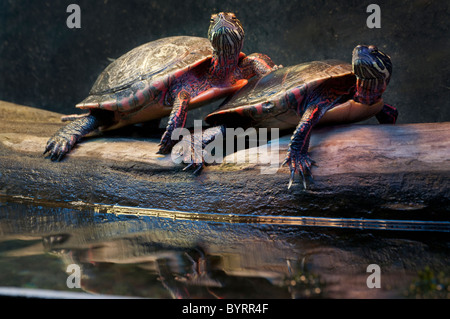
point(159, 257)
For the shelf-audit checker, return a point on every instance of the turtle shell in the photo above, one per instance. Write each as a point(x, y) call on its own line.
point(265, 102)
point(150, 64)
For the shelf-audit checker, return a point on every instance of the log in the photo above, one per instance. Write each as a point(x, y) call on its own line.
point(375, 171)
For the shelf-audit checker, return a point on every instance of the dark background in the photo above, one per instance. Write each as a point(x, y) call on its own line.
point(47, 65)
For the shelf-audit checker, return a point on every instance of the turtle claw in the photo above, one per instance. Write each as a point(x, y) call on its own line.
point(166, 144)
point(57, 147)
point(185, 151)
point(193, 165)
point(291, 179)
point(301, 163)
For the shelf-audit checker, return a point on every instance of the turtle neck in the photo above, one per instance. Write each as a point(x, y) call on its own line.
point(369, 91)
point(223, 64)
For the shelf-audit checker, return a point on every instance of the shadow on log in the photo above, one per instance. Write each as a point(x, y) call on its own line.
point(374, 171)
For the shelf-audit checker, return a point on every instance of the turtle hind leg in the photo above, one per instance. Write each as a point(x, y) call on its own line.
point(66, 137)
point(388, 115)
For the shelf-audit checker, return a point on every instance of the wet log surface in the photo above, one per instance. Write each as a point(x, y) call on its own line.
point(365, 171)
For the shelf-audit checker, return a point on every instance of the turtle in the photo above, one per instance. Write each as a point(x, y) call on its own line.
point(301, 96)
point(165, 77)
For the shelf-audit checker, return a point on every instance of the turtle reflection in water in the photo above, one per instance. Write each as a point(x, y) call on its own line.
point(163, 77)
point(301, 96)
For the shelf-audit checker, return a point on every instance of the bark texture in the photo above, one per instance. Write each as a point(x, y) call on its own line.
point(375, 171)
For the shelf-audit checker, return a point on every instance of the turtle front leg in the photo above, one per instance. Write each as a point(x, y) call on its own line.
point(257, 64)
point(65, 138)
point(297, 156)
point(177, 119)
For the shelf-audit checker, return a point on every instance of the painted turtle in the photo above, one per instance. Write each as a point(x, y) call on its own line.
point(164, 77)
point(303, 95)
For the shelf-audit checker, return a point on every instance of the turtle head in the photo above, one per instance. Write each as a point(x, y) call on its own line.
point(369, 63)
point(373, 70)
point(226, 33)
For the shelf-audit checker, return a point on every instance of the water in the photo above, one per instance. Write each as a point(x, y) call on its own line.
point(162, 254)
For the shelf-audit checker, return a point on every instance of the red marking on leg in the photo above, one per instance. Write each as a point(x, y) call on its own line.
point(313, 114)
point(181, 112)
